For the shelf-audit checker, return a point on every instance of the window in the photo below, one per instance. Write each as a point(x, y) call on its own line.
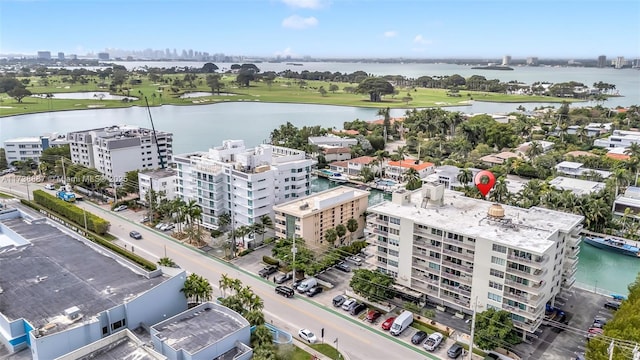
point(436, 231)
point(118, 324)
point(392, 263)
point(495, 285)
point(497, 273)
point(495, 297)
point(393, 231)
point(497, 260)
point(500, 248)
point(394, 252)
point(434, 266)
point(394, 242)
point(394, 220)
point(105, 330)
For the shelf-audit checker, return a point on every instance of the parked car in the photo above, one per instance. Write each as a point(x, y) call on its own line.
point(283, 278)
point(356, 310)
point(308, 336)
point(284, 291)
point(373, 315)
point(593, 332)
point(49, 187)
point(356, 260)
point(159, 225)
point(120, 208)
point(144, 219)
point(267, 270)
point(612, 305)
point(600, 320)
point(349, 304)
point(136, 235)
point(297, 283)
point(433, 341)
point(491, 357)
point(343, 266)
point(386, 325)
point(454, 351)
point(419, 337)
point(314, 291)
point(167, 227)
point(339, 300)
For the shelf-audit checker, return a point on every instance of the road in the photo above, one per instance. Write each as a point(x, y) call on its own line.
point(356, 341)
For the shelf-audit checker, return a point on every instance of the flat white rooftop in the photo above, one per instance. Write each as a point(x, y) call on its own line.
point(33, 139)
point(577, 186)
point(530, 229)
point(312, 203)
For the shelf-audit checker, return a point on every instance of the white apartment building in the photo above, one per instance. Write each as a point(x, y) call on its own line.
point(619, 138)
point(24, 148)
point(453, 249)
point(310, 217)
point(115, 150)
point(162, 180)
point(332, 141)
point(246, 183)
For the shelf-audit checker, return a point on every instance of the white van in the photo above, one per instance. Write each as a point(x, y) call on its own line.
point(401, 323)
point(307, 284)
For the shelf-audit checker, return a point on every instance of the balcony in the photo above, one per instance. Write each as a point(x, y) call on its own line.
point(418, 241)
point(460, 267)
point(459, 255)
point(536, 261)
point(424, 277)
point(570, 271)
point(574, 241)
point(536, 275)
point(522, 297)
point(423, 288)
point(532, 288)
point(570, 262)
point(577, 230)
point(573, 251)
point(530, 327)
point(381, 253)
point(380, 232)
point(567, 284)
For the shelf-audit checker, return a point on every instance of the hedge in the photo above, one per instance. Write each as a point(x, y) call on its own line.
point(269, 260)
point(148, 265)
point(71, 212)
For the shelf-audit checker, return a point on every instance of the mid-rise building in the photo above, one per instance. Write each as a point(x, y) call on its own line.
point(620, 62)
point(602, 61)
point(628, 202)
point(453, 249)
point(44, 55)
point(532, 61)
point(104, 56)
point(115, 150)
point(245, 183)
point(60, 56)
point(24, 148)
point(162, 180)
point(506, 60)
point(310, 217)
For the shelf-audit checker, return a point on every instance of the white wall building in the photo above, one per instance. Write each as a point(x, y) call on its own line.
point(158, 180)
point(453, 249)
point(244, 182)
point(577, 186)
point(332, 141)
point(115, 150)
point(619, 138)
point(577, 169)
point(23, 148)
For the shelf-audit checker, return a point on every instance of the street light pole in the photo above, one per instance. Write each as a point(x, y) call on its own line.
point(294, 250)
point(85, 219)
point(28, 194)
point(473, 328)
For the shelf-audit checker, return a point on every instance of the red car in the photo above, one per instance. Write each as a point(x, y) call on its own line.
point(373, 315)
point(386, 325)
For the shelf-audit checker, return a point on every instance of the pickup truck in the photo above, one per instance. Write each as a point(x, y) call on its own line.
point(433, 341)
point(267, 270)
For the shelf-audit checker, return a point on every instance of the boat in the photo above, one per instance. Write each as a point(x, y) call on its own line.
point(615, 245)
point(337, 177)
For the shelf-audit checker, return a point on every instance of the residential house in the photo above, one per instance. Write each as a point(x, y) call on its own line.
point(577, 186)
point(336, 153)
point(524, 147)
point(619, 138)
point(630, 199)
point(353, 167)
point(332, 141)
point(577, 169)
point(498, 159)
point(397, 169)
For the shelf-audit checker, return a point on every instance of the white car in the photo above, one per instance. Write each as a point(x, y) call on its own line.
point(120, 208)
point(159, 225)
point(433, 341)
point(167, 227)
point(349, 304)
point(49, 187)
point(307, 335)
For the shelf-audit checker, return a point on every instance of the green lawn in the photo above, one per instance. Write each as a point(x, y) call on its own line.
point(5, 196)
point(327, 350)
point(280, 91)
point(299, 354)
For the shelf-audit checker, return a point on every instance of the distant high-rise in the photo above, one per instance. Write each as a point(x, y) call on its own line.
point(167, 53)
point(602, 61)
point(506, 60)
point(620, 62)
point(532, 61)
point(60, 56)
point(73, 57)
point(44, 55)
point(103, 56)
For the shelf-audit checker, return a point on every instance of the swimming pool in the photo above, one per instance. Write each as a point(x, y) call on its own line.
point(326, 172)
point(386, 183)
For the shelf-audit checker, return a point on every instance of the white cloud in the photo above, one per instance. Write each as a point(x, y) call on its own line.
point(419, 39)
point(298, 22)
point(305, 4)
point(390, 34)
point(286, 52)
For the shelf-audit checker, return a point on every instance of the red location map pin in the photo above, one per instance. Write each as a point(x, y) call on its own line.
point(484, 181)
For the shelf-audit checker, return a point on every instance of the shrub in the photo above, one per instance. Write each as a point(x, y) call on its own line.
point(245, 252)
point(216, 233)
point(269, 260)
point(71, 212)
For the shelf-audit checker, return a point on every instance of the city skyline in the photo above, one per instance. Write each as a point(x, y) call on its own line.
point(330, 29)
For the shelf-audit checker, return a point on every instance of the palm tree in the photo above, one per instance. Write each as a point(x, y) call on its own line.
point(197, 289)
point(224, 220)
point(341, 231)
point(165, 261)
point(465, 176)
point(263, 335)
point(267, 223)
point(331, 236)
point(534, 150)
point(254, 317)
point(401, 151)
point(500, 191)
point(352, 226)
point(258, 229)
point(225, 283)
point(412, 175)
point(243, 231)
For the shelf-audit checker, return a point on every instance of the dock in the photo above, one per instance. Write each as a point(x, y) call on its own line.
point(356, 183)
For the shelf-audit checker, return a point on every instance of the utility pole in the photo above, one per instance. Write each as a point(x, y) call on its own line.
point(115, 191)
point(28, 194)
point(294, 250)
point(64, 176)
point(473, 328)
point(85, 219)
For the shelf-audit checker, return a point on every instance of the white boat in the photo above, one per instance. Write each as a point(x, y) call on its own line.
point(337, 177)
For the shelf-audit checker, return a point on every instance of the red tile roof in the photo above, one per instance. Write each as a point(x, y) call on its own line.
point(381, 121)
point(340, 150)
point(364, 160)
point(410, 164)
point(348, 132)
point(618, 156)
point(342, 164)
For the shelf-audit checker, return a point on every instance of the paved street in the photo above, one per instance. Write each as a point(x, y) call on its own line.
point(355, 339)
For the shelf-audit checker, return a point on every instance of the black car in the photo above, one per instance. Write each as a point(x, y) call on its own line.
point(454, 351)
point(283, 278)
point(267, 270)
point(284, 291)
point(136, 235)
point(314, 291)
point(338, 300)
point(358, 309)
point(343, 266)
point(612, 305)
point(419, 337)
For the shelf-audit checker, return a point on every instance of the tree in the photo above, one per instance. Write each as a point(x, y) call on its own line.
point(341, 231)
point(197, 289)
point(376, 87)
point(333, 88)
point(413, 179)
point(165, 261)
point(244, 77)
point(494, 328)
point(352, 226)
point(209, 68)
point(19, 93)
point(131, 182)
point(213, 81)
point(3, 159)
point(372, 285)
point(465, 176)
point(534, 149)
point(267, 223)
point(331, 235)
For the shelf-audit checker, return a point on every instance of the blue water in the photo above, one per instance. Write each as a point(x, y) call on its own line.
point(386, 182)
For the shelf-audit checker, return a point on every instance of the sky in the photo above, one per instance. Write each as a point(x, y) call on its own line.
point(327, 28)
